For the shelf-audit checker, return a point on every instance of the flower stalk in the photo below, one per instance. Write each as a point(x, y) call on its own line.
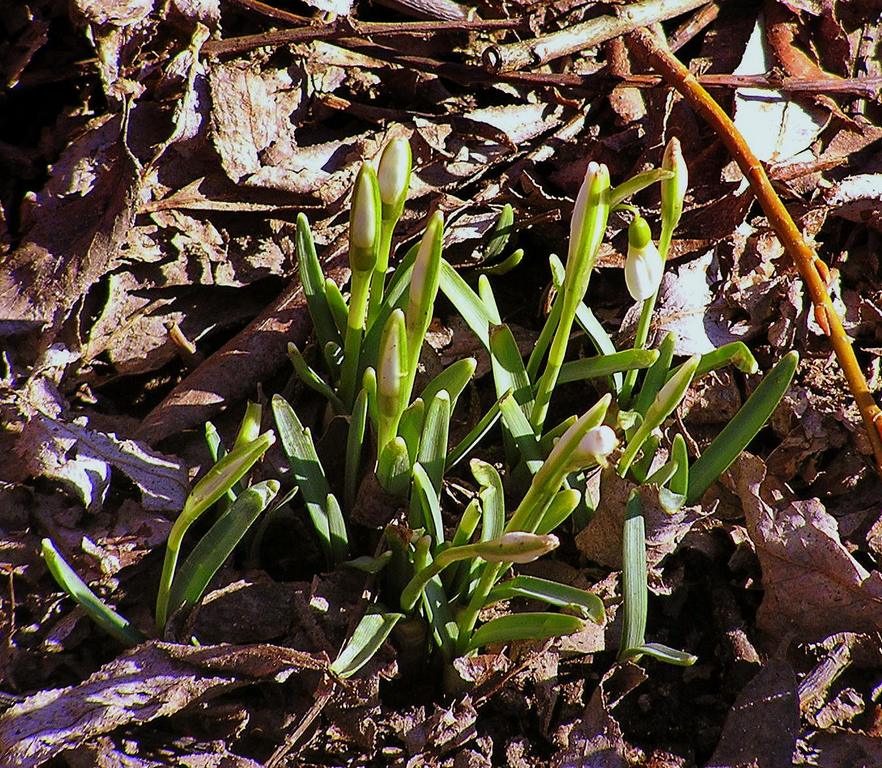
point(364, 242)
point(587, 229)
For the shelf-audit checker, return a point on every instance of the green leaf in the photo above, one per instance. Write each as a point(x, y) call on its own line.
point(546, 334)
point(354, 443)
point(657, 375)
point(606, 365)
point(433, 444)
point(475, 435)
point(743, 428)
point(454, 379)
point(635, 592)
point(96, 609)
point(562, 506)
point(339, 309)
point(524, 626)
point(680, 480)
point(249, 428)
point(309, 474)
point(506, 265)
point(551, 592)
point(666, 401)
point(640, 468)
point(637, 183)
point(216, 483)
point(312, 380)
point(492, 498)
point(586, 320)
point(217, 545)
point(521, 431)
point(394, 468)
point(508, 367)
point(424, 506)
point(736, 353)
point(661, 653)
point(499, 236)
point(337, 529)
point(314, 286)
point(366, 640)
point(435, 605)
point(367, 564)
point(485, 291)
point(410, 427)
point(467, 303)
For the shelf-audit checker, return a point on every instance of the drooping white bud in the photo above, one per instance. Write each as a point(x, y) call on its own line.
point(599, 442)
point(644, 265)
point(516, 547)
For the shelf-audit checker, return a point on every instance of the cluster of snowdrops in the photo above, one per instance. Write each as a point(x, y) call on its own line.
point(435, 580)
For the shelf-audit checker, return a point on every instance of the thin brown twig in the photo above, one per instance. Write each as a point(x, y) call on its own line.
point(694, 25)
point(348, 27)
point(540, 50)
point(814, 272)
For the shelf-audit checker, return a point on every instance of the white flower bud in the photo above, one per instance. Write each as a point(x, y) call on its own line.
point(673, 190)
point(364, 220)
point(644, 265)
point(590, 196)
point(599, 442)
point(426, 273)
point(393, 175)
point(391, 365)
point(516, 547)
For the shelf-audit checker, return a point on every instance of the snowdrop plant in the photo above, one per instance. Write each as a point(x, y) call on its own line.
point(372, 344)
point(432, 577)
point(221, 488)
point(448, 582)
point(643, 405)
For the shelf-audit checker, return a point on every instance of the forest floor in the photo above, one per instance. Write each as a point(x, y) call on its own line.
point(153, 158)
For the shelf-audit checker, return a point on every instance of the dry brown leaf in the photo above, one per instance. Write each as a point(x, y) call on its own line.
point(601, 540)
point(596, 740)
point(140, 686)
point(686, 308)
point(46, 442)
point(445, 729)
point(813, 586)
point(838, 748)
point(76, 229)
point(763, 724)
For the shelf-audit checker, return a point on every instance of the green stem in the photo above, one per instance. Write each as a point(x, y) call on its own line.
point(358, 300)
point(378, 276)
point(552, 369)
point(469, 616)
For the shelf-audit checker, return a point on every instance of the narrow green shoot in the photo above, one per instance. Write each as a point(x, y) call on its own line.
point(95, 608)
point(666, 401)
point(742, 428)
point(635, 591)
point(369, 635)
point(607, 365)
point(218, 544)
point(524, 626)
point(589, 605)
point(587, 229)
point(309, 475)
point(216, 482)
